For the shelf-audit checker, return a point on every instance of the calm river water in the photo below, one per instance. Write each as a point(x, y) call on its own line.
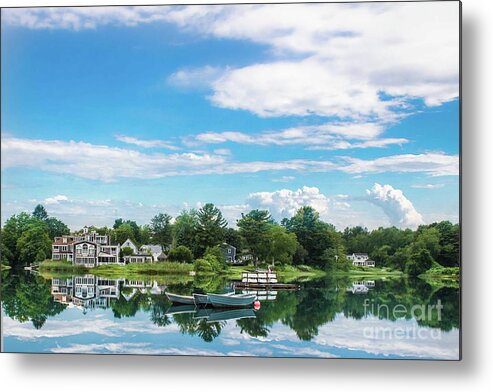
point(345, 318)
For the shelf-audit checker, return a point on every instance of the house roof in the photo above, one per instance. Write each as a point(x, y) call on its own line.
point(227, 245)
point(152, 248)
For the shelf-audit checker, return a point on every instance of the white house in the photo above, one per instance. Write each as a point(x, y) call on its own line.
point(156, 251)
point(130, 244)
point(361, 260)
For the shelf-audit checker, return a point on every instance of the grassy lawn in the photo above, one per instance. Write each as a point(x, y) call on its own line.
point(286, 274)
point(62, 266)
point(130, 271)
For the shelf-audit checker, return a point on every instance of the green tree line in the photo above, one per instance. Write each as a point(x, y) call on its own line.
point(197, 234)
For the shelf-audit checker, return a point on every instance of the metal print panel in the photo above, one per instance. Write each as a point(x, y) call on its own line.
point(275, 180)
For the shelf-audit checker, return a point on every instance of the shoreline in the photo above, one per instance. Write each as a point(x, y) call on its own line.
point(285, 273)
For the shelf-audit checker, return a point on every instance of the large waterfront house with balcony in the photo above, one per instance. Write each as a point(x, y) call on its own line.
point(88, 249)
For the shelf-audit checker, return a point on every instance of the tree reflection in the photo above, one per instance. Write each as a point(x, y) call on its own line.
point(27, 297)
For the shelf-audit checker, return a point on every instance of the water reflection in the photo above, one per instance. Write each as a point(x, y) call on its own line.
point(308, 318)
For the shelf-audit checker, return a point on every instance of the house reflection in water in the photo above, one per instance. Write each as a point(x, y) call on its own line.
point(91, 292)
point(361, 287)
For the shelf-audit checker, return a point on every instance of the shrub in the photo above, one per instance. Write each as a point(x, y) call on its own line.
point(209, 264)
point(181, 254)
point(419, 263)
point(202, 265)
point(216, 252)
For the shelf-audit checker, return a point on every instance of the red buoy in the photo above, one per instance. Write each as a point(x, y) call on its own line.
point(256, 305)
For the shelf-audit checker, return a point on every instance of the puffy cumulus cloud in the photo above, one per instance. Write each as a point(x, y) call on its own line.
point(335, 59)
point(284, 203)
point(340, 210)
point(328, 59)
point(300, 88)
point(396, 206)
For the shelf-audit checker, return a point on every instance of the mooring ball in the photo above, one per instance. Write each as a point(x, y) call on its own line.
point(256, 305)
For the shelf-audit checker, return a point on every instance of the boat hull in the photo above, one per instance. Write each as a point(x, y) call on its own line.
point(201, 299)
point(231, 301)
point(180, 299)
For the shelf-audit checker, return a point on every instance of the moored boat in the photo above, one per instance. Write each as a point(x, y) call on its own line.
point(201, 299)
point(231, 300)
point(180, 299)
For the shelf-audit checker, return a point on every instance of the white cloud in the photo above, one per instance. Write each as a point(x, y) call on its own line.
point(55, 199)
point(300, 88)
point(146, 143)
point(341, 210)
point(396, 206)
point(195, 77)
point(427, 186)
point(284, 203)
point(82, 18)
point(376, 143)
point(100, 162)
point(345, 56)
point(330, 136)
point(432, 163)
point(330, 60)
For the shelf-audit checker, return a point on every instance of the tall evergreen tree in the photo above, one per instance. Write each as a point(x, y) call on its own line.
point(210, 227)
point(254, 229)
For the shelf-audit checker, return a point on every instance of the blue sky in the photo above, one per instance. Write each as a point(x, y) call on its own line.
point(125, 111)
